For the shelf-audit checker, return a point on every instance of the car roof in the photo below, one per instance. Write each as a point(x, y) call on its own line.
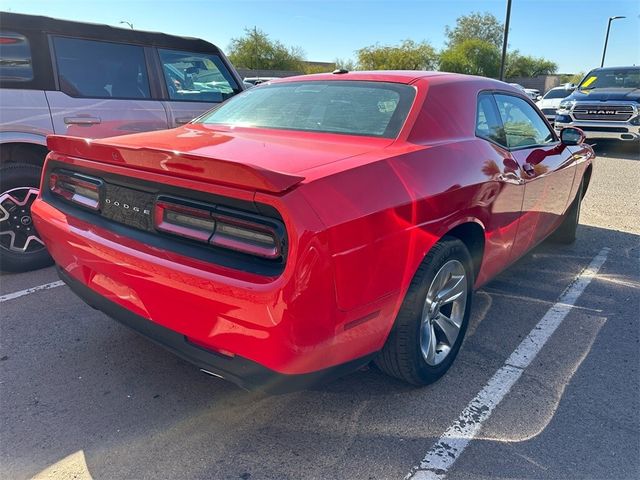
point(95, 31)
point(396, 76)
point(626, 67)
point(407, 77)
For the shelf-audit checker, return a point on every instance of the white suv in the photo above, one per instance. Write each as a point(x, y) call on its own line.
point(90, 81)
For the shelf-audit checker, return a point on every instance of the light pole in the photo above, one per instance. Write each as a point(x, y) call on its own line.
point(505, 39)
point(606, 39)
point(127, 23)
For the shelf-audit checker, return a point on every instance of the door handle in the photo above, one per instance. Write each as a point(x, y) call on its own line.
point(510, 179)
point(183, 120)
point(528, 169)
point(82, 120)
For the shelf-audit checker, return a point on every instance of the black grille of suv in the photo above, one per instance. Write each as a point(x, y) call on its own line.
point(604, 111)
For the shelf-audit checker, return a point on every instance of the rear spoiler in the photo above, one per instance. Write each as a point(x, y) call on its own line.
point(184, 165)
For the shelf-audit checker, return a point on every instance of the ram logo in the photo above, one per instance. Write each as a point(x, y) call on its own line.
point(601, 112)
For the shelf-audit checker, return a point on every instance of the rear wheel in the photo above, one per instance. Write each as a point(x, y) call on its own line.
point(20, 246)
point(433, 319)
point(566, 232)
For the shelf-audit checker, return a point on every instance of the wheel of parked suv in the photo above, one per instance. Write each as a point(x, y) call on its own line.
point(433, 318)
point(566, 232)
point(20, 247)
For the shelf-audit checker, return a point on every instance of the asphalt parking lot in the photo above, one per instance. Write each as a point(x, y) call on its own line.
point(83, 397)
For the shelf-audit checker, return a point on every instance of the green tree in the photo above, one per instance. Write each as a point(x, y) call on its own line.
point(475, 26)
point(310, 69)
point(572, 78)
point(528, 66)
point(473, 57)
point(257, 51)
point(408, 55)
point(346, 64)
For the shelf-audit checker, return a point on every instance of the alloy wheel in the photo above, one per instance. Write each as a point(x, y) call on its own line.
point(17, 233)
point(443, 312)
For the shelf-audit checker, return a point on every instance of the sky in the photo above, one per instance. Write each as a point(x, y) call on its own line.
point(568, 32)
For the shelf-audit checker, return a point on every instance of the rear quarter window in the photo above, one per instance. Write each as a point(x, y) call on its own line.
point(15, 57)
point(488, 122)
point(89, 68)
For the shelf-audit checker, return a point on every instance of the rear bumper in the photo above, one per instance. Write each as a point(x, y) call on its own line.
point(241, 371)
point(251, 329)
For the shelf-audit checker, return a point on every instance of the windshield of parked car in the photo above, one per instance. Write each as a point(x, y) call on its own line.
point(557, 93)
point(376, 109)
point(623, 78)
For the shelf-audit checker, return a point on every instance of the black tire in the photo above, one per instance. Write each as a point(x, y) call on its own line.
point(566, 231)
point(401, 356)
point(15, 176)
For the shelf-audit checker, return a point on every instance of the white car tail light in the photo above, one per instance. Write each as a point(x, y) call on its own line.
point(76, 188)
point(219, 226)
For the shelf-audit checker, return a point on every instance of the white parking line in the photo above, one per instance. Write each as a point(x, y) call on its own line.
point(22, 293)
point(449, 447)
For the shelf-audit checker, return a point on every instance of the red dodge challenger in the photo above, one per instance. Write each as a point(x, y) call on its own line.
point(313, 224)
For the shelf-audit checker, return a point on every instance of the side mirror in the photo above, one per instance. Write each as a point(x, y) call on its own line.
point(538, 98)
point(571, 136)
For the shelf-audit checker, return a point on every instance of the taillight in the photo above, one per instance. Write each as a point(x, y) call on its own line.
point(245, 236)
point(220, 226)
point(186, 221)
point(76, 188)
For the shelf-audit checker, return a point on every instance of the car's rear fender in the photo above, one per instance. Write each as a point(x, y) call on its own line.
point(383, 216)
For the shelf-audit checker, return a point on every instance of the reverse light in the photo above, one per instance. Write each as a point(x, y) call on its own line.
point(219, 226)
point(245, 236)
point(76, 188)
point(185, 221)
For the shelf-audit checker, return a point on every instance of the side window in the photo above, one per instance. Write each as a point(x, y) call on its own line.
point(488, 122)
point(523, 127)
point(87, 68)
point(15, 57)
point(196, 77)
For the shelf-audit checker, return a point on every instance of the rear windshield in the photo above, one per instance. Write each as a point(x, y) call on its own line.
point(559, 93)
point(611, 78)
point(376, 109)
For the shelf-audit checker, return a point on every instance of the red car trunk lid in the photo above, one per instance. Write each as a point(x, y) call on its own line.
point(252, 159)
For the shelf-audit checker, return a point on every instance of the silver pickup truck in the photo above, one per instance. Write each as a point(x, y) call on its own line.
point(606, 105)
